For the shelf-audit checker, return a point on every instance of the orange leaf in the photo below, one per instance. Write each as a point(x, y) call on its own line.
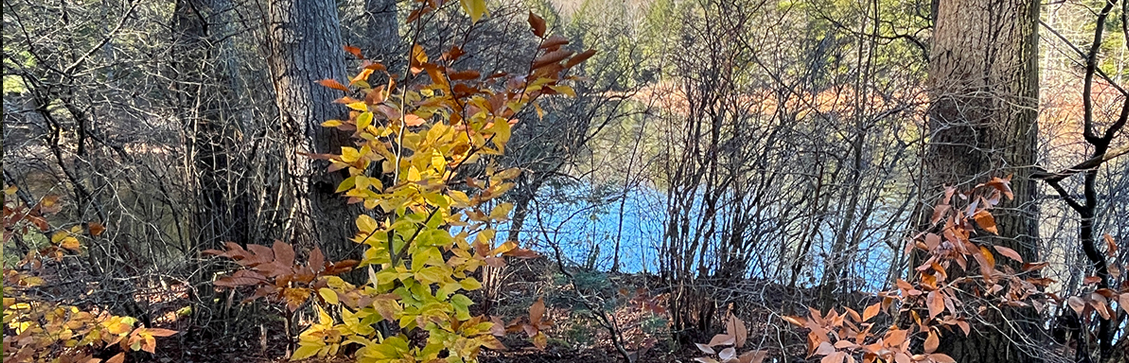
point(793, 320)
point(356, 52)
point(412, 120)
point(332, 83)
point(986, 221)
point(97, 229)
point(871, 311)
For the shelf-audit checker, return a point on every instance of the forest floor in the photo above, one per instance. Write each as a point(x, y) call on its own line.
point(633, 301)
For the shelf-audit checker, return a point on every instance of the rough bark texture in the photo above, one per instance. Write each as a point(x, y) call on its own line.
point(984, 83)
point(382, 36)
point(306, 47)
point(200, 83)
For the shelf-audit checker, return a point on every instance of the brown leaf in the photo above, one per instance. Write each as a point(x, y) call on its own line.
point(932, 341)
point(1123, 300)
point(119, 358)
point(705, 348)
point(836, 357)
point(938, 213)
point(1077, 304)
point(96, 229)
point(1091, 280)
point(550, 58)
point(753, 356)
point(158, 332)
point(936, 303)
point(737, 329)
point(964, 326)
point(316, 260)
point(552, 43)
point(463, 75)
point(577, 59)
point(283, 253)
point(537, 311)
point(332, 83)
point(942, 358)
point(538, 25)
point(1111, 246)
point(721, 339)
point(1009, 253)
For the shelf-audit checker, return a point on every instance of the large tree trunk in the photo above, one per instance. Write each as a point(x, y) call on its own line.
point(984, 88)
point(202, 89)
point(306, 47)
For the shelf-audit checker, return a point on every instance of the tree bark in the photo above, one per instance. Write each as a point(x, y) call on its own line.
point(306, 46)
point(201, 90)
point(983, 80)
point(382, 35)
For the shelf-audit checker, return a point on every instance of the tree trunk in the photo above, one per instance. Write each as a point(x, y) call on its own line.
point(983, 80)
point(382, 34)
point(306, 47)
point(201, 91)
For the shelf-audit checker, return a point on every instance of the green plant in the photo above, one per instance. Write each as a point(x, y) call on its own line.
point(429, 218)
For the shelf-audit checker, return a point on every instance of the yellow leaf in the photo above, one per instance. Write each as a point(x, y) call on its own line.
point(501, 211)
point(564, 90)
point(474, 8)
point(359, 106)
point(438, 161)
point(323, 318)
point(10, 190)
point(331, 123)
point(413, 174)
point(365, 223)
point(305, 351)
point(364, 120)
point(328, 295)
point(349, 154)
point(71, 243)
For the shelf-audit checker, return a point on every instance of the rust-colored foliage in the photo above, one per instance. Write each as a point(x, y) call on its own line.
point(932, 300)
point(38, 328)
point(276, 275)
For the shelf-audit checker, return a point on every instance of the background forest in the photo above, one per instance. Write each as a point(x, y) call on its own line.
point(615, 181)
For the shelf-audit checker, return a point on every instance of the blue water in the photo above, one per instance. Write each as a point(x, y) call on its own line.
point(584, 221)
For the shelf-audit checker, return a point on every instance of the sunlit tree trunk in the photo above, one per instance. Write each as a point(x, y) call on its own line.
point(984, 89)
point(305, 47)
